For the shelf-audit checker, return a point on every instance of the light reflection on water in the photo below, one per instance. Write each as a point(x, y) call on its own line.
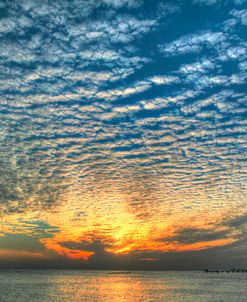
point(102, 286)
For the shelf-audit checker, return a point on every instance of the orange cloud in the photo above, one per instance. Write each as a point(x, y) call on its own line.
point(154, 245)
point(205, 245)
point(51, 244)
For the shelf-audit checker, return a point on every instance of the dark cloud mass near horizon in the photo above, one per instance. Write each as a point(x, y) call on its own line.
point(123, 133)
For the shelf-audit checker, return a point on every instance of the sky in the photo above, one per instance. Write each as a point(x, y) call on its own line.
point(123, 134)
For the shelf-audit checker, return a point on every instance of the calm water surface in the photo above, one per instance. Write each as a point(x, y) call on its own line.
point(90, 286)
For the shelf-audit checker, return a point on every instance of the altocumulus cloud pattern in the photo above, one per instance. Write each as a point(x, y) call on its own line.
point(123, 128)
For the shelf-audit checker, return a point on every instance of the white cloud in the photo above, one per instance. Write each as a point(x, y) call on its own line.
point(121, 3)
point(164, 80)
point(192, 43)
point(206, 2)
point(241, 15)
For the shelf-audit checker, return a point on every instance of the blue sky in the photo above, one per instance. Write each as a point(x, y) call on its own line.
point(119, 114)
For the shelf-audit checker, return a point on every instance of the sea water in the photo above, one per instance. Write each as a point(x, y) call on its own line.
point(107, 286)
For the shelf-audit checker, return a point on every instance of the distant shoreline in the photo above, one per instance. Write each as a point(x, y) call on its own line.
point(227, 271)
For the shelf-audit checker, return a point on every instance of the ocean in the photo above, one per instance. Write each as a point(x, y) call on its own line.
point(108, 286)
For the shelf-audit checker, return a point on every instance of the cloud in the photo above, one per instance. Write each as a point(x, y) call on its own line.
point(193, 43)
point(121, 127)
point(206, 2)
point(190, 236)
point(241, 15)
point(10, 255)
point(118, 4)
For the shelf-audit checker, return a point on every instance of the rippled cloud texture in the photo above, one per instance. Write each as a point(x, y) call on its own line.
point(123, 132)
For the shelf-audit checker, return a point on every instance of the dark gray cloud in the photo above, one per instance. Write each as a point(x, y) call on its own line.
point(187, 235)
point(95, 246)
